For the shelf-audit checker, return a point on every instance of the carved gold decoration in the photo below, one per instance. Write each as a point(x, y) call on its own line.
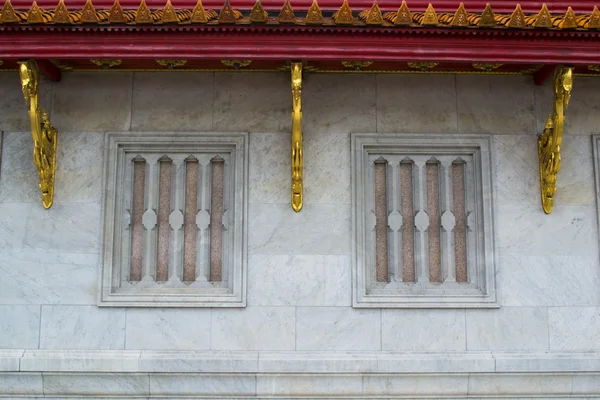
point(297, 186)
point(544, 19)
point(356, 65)
point(517, 18)
point(569, 20)
point(34, 16)
point(551, 138)
point(171, 63)
point(8, 14)
point(169, 16)
point(115, 14)
point(314, 15)
point(594, 22)
point(487, 19)
point(42, 131)
point(202, 16)
point(422, 66)
point(533, 69)
point(460, 17)
point(430, 18)
point(403, 16)
point(374, 16)
point(236, 64)
point(106, 63)
point(143, 14)
point(486, 67)
point(595, 68)
point(258, 13)
point(344, 15)
point(286, 15)
point(61, 14)
point(227, 14)
point(88, 14)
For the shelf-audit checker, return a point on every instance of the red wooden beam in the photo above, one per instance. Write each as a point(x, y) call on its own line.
point(51, 71)
point(543, 73)
point(284, 43)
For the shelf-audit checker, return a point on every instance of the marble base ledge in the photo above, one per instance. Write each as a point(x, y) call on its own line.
point(59, 374)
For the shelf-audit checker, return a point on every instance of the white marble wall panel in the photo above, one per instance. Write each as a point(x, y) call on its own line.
point(574, 328)
point(19, 326)
point(269, 170)
point(96, 384)
point(82, 327)
point(416, 103)
point(9, 359)
point(547, 362)
point(495, 104)
point(12, 229)
point(454, 362)
point(172, 101)
point(337, 329)
point(21, 384)
point(317, 229)
point(92, 102)
point(582, 114)
point(557, 280)
point(586, 384)
point(338, 104)
point(13, 109)
point(198, 361)
point(39, 277)
point(303, 280)
point(507, 328)
point(252, 102)
point(18, 180)
point(210, 385)
point(80, 360)
point(167, 329)
point(253, 328)
point(416, 385)
point(515, 385)
point(322, 361)
point(310, 386)
point(423, 330)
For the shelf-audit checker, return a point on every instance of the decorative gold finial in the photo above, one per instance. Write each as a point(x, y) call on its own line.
point(517, 18)
point(227, 15)
point(42, 131)
point(143, 15)
point(61, 14)
point(374, 16)
point(569, 20)
point(487, 17)
point(8, 14)
point(594, 22)
point(199, 14)
point(314, 15)
point(34, 16)
point(88, 14)
point(115, 14)
point(460, 17)
point(544, 19)
point(550, 140)
point(344, 15)
point(430, 17)
point(286, 15)
point(169, 16)
point(258, 13)
point(297, 185)
point(403, 16)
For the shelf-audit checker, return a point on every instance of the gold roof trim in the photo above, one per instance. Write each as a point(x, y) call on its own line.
point(344, 15)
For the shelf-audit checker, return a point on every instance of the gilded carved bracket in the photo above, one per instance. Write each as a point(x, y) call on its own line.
point(297, 188)
point(42, 131)
point(550, 140)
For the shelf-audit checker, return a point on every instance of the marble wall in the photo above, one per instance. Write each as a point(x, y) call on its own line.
point(299, 283)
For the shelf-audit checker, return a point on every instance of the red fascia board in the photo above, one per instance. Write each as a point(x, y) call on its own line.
point(202, 42)
point(499, 6)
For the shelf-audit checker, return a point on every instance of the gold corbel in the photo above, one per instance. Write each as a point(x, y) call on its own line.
point(296, 69)
point(550, 140)
point(42, 131)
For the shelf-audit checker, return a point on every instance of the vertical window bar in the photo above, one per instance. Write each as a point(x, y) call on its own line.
point(164, 209)
point(149, 219)
point(176, 218)
point(408, 221)
point(433, 211)
point(189, 222)
point(460, 230)
point(137, 228)
point(381, 221)
point(473, 273)
point(447, 241)
point(421, 219)
point(216, 218)
point(395, 220)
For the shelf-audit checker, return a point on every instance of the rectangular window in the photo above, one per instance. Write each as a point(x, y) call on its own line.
point(422, 221)
point(174, 220)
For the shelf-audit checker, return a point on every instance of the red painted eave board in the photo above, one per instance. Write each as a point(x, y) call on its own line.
point(499, 6)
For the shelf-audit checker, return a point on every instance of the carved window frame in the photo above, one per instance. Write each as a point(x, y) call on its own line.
point(482, 294)
point(117, 145)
